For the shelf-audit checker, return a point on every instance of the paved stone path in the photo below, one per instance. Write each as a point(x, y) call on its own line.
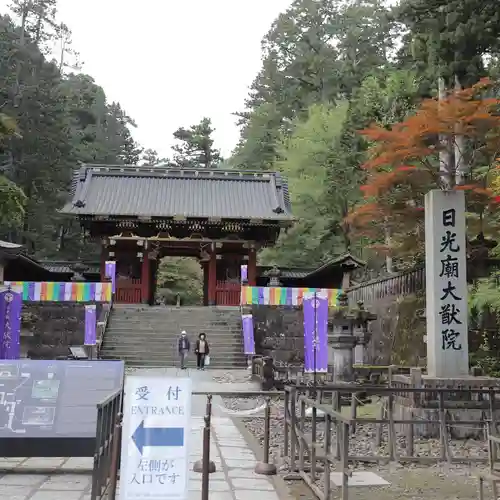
point(234, 459)
point(42, 486)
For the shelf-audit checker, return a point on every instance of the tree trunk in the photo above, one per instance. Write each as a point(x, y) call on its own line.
point(446, 156)
point(461, 167)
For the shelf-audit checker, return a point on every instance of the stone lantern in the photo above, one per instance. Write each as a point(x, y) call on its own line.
point(349, 329)
point(274, 277)
point(78, 269)
point(362, 319)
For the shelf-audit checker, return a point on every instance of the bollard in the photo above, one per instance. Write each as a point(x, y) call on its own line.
point(265, 468)
point(205, 466)
point(115, 456)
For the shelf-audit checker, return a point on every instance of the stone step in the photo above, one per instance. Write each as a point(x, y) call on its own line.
point(189, 318)
point(143, 350)
point(174, 332)
point(162, 339)
point(158, 342)
point(180, 311)
point(174, 329)
point(172, 359)
point(148, 336)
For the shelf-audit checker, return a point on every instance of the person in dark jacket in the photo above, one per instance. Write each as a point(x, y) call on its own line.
point(184, 347)
point(202, 350)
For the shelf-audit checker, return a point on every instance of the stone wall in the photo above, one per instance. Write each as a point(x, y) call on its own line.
point(47, 329)
point(279, 332)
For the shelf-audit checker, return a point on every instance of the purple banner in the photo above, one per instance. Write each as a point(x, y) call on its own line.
point(248, 338)
point(11, 304)
point(244, 274)
point(315, 307)
point(110, 272)
point(90, 324)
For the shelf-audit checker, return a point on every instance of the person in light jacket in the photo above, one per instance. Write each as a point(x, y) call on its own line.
point(202, 350)
point(184, 346)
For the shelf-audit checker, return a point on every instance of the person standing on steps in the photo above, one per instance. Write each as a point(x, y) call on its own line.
point(184, 347)
point(202, 350)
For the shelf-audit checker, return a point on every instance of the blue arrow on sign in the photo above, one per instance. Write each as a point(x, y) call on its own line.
point(157, 436)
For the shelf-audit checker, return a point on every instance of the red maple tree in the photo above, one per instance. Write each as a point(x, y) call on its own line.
point(406, 161)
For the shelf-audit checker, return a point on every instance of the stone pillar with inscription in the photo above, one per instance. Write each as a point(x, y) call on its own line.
point(446, 284)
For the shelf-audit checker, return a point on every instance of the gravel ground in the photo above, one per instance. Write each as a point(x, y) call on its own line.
point(407, 482)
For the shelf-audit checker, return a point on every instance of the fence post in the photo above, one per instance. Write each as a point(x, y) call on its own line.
point(205, 466)
point(113, 473)
point(285, 433)
point(345, 460)
point(264, 467)
point(96, 479)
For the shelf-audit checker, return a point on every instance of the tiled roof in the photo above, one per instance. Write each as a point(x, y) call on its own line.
point(67, 266)
point(167, 192)
point(285, 272)
point(10, 248)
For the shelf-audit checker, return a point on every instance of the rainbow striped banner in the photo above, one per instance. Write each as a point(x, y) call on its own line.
point(36, 291)
point(281, 296)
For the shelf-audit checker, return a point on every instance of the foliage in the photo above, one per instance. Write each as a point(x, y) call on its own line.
point(314, 55)
point(308, 157)
point(196, 146)
point(12, 198)
point(179, 277)
point(404, 164)
point(150, 157)
point(63, 119)
point(452, 36)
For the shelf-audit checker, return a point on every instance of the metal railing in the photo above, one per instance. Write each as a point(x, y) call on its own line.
point(107, 447)
point(102, 324)
point(317, 445)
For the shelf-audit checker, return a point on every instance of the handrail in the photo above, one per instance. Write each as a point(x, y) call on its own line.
point(108, 398)
point(106, 454)
point(102, 324)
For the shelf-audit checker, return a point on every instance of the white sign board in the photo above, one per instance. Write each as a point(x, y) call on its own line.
point(156, 429)
point(446, 284)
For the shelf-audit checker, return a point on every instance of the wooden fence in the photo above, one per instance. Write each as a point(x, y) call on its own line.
point(323, 447)
point(404, 283)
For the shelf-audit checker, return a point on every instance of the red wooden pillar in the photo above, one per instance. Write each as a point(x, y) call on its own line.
point(145, 276)
point(252, 267)
point(212, 277)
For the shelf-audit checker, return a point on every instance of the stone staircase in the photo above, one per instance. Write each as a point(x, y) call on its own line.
point(146, 336)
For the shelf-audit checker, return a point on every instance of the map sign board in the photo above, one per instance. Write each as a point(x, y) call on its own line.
point(155, 440)
point(54, 399)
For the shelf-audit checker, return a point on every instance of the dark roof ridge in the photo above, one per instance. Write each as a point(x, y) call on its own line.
point(245, 195)
point(164, 169)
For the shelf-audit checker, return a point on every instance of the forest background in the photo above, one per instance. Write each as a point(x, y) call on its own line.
point(342, 84)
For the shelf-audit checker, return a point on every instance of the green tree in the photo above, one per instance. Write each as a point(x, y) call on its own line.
point(180, 277)
point(151, 157)
point(12, 198)
point(196, 146)
point(256, 149)
point(309, 161)
point(63, 119)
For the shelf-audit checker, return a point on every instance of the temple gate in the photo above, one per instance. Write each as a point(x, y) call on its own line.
point(142, 214)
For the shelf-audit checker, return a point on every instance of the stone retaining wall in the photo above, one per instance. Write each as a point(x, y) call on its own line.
point(47, 329)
